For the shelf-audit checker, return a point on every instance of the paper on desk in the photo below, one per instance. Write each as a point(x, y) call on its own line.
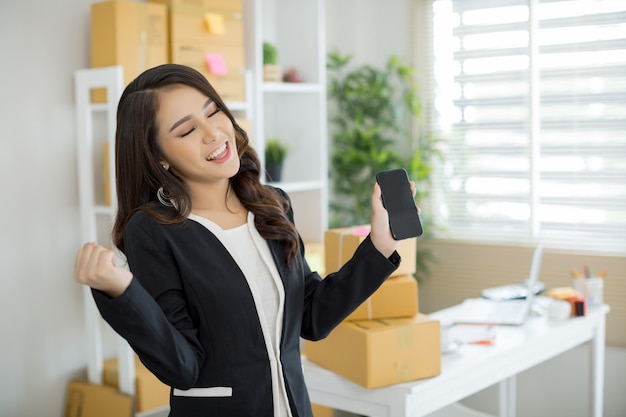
point(483, 334)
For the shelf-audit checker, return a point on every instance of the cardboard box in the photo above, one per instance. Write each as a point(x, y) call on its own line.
point(314, 255)
point(215, 4)
point(396, 298)
point(150, 393)
point(206, 24)
point(340, 244)
point(322, 411)
point(378, 353)
point(84, 399)
point(208, 36)
point(128, 33)
point(246, 125)
point(230, 87)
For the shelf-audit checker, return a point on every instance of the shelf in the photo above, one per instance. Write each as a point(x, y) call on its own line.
point(294, 112)
point(291, 187)
point(291, 88)
point(157, 412)
point(106, 210)
point(95, 107)
point(237, 105)
point(232, 106)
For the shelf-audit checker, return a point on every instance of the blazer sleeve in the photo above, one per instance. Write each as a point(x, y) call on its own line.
point(152, 314)
point(327, 302)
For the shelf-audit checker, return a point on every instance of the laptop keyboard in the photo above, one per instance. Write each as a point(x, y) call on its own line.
point(511, 291)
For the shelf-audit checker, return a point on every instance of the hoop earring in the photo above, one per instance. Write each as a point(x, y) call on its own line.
point(164, 198)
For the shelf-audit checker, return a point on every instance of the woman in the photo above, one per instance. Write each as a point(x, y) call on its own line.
point(219, 292)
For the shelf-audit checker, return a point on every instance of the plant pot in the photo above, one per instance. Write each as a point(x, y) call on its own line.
point(272, 73)
point(273, 172)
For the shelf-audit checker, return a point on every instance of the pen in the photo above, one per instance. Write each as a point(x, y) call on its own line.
point(602, 273)
point(586, 271)
point(575, 274)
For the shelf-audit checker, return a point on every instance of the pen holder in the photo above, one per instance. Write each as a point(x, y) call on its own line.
point(592, 289)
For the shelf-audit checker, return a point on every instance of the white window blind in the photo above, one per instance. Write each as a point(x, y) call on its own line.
point(531, 97)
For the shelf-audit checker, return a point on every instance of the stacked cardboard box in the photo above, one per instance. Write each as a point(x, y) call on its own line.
point(397, 297)
point(208, 35)
point(322, 411)
point(84, 399)
point(204, 34)
point(150, 393)
point(340, 244)
point(386, 340)
point(128, 33)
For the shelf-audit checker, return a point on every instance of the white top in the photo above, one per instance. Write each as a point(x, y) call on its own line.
point(253, 256)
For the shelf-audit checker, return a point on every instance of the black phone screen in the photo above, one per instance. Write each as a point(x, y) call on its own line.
point(398, 199)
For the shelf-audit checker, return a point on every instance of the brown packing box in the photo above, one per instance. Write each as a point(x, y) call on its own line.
point(246, 125)
point(340, 244)
point(188, 23)
point(150, 393)
point(322, 411)
point(192, 39)
point(217, 4)
point(397, 297)
point(378, 353)
point(230, 87)
point(128, 33)
point(314, 255)
point(84, 399)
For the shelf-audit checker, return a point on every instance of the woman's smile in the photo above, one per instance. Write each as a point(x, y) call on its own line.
point(221, 154)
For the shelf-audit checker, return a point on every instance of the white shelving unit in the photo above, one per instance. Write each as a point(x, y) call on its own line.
point(95, 215)
point(293, 112)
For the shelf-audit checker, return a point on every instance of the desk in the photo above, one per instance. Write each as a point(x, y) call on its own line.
point(471, 369)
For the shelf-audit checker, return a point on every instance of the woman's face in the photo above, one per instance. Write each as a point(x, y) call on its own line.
point(197, 140)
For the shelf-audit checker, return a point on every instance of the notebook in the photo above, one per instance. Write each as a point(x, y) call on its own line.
point(505, 312)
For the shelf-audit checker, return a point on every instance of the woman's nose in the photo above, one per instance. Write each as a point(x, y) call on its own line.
point(209, 132)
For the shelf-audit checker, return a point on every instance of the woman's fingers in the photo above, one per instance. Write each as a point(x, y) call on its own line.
point(95, 267)
point(81, 264)
point(381, 234)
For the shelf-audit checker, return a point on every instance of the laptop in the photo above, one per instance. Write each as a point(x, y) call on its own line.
point(505, 312)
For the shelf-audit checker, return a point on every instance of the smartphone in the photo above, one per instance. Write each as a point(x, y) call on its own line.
point(404, 221)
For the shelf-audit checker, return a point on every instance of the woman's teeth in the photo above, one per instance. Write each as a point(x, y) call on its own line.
point(218, 153)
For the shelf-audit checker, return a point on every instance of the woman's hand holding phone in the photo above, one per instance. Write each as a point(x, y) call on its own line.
point(381, 235)
point(398, 197)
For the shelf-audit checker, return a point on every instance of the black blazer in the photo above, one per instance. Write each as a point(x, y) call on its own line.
point(190, 316)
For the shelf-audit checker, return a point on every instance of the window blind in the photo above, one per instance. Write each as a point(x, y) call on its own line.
point(531, 99)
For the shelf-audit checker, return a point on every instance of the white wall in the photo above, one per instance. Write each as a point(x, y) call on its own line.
point(371, 30)
point(41, 44)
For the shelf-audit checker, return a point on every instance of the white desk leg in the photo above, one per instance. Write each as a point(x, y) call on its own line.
point(507, 397)
point(597, 368)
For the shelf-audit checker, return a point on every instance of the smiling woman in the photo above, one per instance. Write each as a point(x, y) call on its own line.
point(219, 292)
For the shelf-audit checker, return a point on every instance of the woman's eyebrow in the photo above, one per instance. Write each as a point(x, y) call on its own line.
point(186, 118)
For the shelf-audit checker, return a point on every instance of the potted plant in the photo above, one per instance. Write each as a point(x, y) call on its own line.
point(272, 72)
point(376, 125)
point(275, 153)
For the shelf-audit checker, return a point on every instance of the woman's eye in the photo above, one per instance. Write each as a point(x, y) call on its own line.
point(187, 132)
point(213, 113)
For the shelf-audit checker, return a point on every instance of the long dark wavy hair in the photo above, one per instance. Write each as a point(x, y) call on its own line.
point(139, 173)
